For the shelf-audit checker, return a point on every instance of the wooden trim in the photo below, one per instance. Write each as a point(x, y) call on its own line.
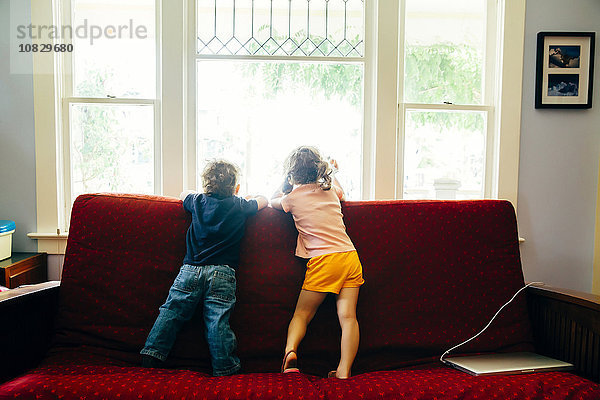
point(25, 340)
point(508, 111)
point(48, 236)
point(51, 243)
point(48, 208)
point(384, 138)
point(566, 325)
point(14, 294)
point(587, 300)
point(31, 269)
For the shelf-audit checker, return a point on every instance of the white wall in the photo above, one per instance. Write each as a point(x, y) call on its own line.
point(17, 136)
point(558, 173)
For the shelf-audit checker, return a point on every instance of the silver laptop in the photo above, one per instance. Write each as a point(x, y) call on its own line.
point(506, 364)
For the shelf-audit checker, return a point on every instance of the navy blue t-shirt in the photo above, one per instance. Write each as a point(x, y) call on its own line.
point(217, 228)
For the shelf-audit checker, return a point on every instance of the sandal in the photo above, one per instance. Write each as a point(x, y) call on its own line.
point(331, 374)
point(292, 366)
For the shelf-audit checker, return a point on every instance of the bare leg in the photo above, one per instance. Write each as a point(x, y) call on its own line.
point(346, 310)
point(306, 307)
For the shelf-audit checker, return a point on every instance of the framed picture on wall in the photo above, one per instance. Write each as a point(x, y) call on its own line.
point(564, 69)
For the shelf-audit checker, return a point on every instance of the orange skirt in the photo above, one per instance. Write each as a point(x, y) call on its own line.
point(332, 272)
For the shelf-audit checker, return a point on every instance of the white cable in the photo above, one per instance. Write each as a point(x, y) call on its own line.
point(491, 320)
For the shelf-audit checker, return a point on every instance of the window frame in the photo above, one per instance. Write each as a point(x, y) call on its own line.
point(191, 139)
point(64, 84)
point(381, 135)
point(487, 106)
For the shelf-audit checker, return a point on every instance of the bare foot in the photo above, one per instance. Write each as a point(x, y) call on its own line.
point(290, 362)
point(335, 374)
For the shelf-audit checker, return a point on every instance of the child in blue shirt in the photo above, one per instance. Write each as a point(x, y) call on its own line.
point(207, 276)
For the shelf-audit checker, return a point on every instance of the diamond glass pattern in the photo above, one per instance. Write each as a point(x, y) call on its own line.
point(306, 28)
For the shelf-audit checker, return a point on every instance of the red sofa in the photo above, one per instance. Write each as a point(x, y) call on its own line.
point(435, 273)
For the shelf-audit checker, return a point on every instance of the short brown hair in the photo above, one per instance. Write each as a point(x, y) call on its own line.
point(305, 165)
point(220, 178)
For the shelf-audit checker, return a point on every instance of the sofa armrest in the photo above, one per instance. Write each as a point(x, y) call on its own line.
point(566, 325)
point(27, 319)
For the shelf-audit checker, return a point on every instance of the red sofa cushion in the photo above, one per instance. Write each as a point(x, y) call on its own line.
point(101, 382)
point(446, 383)
point(435, 273)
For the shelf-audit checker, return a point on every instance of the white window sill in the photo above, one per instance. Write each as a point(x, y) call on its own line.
point(51, 243)
point(49, 236)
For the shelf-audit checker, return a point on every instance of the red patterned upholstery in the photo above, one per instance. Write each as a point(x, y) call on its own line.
point(435, 273)
point(134, 383)
point(446, 383)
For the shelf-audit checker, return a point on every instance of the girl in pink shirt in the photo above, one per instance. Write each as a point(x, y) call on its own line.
point(313, 196)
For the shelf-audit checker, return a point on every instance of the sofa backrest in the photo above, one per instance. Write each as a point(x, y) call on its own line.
point(435, 272)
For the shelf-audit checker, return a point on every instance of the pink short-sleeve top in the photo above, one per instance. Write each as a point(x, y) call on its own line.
point(318, 217)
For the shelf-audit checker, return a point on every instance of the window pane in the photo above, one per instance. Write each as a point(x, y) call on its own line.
point(444, 51)
point(114, 48)
point(112, 148)
point(281, 27)
point(444, 155)
point(256, 113)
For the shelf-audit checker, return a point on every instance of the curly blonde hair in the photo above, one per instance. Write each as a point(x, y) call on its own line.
point(220, 178)
point(305, 165)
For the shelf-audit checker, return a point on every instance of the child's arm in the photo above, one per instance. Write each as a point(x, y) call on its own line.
point(338, 189)
point(276, 203)
point(335, 183)
point(276, 198)
point(260, 200)
point(185, 193)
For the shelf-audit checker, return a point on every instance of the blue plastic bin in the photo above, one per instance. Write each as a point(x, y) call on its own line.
point(7, 228)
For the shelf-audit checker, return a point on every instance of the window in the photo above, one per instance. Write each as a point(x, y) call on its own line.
point(109, 102)
point(447, 111)
point(414, 98)
point(273, 75)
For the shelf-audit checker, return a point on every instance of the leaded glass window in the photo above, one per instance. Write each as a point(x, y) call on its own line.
point(275, 74)
point(305, 28)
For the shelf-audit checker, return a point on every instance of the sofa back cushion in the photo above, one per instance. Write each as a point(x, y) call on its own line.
point(435, 273)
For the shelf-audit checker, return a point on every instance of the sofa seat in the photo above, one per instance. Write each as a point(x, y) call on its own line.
point(431, 382)
point(85, 372)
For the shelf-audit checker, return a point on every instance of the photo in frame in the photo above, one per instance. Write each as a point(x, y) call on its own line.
point(564, 69)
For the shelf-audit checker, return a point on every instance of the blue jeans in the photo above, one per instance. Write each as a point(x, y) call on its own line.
point(214, 286)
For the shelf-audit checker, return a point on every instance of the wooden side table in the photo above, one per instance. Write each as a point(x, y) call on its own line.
point(23, 269)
